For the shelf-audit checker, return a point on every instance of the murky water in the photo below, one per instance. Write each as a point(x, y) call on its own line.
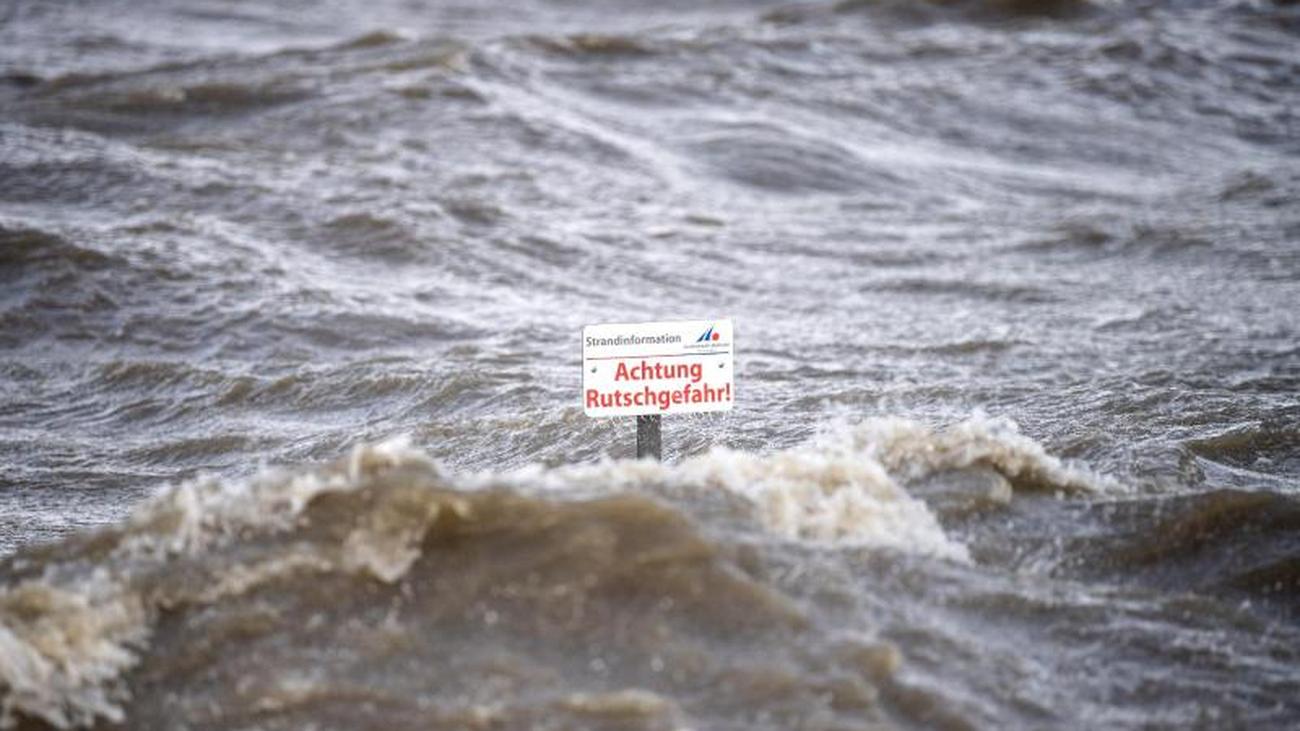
point(1015, 285)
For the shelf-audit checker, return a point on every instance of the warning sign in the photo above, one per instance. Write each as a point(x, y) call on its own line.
point(657, 368)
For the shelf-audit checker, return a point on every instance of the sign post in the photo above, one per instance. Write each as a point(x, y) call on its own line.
point(650, 369)
point(649, 442)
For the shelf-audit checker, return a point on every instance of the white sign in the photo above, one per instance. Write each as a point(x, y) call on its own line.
point(657, 368)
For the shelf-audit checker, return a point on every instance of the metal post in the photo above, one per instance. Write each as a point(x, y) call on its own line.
point(648, 441)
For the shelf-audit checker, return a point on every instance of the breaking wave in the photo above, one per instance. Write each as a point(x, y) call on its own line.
point(75, 617)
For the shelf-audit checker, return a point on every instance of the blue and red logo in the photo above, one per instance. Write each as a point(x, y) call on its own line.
point(707, 336)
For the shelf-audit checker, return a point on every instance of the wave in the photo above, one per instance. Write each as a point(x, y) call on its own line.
point(1265, 447)
point(853, 486)
point(593, 44)
point(1252, 456)
point(771, 158)
point(69, 630)
point(52, 282)
point(184, 588)
point(940, 10)
point(1230, 544)
point(79, 617)
point(23, 247)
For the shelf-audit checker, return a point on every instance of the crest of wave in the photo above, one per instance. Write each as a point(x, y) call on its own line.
point(912, 451)
point(68, 633)
point(849, 486)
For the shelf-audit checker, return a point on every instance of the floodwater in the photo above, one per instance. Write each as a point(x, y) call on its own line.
point(290, 426)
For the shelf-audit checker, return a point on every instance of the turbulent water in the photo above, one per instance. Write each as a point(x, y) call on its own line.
point(290, 301)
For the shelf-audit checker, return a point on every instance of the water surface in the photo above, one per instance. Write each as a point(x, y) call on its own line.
point(1017, 438)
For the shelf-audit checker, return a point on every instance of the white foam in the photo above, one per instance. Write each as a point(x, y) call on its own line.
point(846, 487)
point(61, 649)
